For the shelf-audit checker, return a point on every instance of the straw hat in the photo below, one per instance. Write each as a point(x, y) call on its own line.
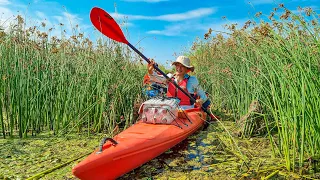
point(185, 61)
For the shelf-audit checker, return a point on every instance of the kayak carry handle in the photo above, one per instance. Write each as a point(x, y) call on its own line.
point(104, 140)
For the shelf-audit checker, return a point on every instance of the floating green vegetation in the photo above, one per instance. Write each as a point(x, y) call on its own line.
point(23, 158)
point(210, 154)
point(214, 154)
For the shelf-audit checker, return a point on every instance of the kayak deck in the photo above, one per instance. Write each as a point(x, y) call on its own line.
point(137, 145)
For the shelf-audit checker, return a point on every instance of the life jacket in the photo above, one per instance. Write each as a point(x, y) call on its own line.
point(173, 91)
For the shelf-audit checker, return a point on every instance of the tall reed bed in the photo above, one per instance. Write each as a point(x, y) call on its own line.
point(64, 85)
point(273, 64)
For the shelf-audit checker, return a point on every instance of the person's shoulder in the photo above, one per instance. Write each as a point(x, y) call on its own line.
point(193, 79)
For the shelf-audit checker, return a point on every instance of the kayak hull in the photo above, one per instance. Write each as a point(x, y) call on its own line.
point(137, 145)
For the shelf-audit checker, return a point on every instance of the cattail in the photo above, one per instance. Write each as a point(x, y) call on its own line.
point(308, 11)
point(20, 20)
point(258, 14)
point(314, 22)
point(80, 35)
point(54, 50)
point(285, 15)
point(271, 15)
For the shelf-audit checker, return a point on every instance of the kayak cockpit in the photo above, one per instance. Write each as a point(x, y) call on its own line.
point(164, 111)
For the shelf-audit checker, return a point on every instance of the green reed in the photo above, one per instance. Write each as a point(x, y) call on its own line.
point(64, 85)
point(276, 63)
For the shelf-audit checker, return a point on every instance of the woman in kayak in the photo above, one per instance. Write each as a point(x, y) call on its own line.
point(188, 83)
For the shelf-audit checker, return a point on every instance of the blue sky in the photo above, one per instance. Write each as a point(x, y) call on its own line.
point(159, 28)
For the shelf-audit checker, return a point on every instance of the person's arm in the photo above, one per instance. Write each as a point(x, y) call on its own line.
point(155, 77)
point(194, 87)
point(202, 95)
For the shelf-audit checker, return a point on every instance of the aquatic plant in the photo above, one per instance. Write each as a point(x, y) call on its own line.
point(64, 84)
point(272, 61)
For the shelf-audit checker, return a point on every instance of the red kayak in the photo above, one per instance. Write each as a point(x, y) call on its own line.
point(137, 145)
point(161, 127)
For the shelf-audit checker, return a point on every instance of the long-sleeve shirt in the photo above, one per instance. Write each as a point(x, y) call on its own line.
point(192, 85)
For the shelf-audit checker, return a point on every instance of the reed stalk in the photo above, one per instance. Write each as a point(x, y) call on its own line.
point(276, 63)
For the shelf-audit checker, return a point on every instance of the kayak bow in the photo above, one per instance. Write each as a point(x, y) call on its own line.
point(137, 145)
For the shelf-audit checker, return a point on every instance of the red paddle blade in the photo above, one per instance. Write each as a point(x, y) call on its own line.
point(106, 25)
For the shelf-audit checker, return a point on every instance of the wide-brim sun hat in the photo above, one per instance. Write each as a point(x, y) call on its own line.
point(185, 61)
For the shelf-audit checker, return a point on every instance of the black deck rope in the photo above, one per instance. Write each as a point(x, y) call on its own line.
point(114, 143)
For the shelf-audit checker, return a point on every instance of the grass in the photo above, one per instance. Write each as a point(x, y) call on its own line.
point(64, 85)
point(267, 75)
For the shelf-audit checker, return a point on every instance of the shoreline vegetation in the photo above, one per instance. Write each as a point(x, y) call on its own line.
point(263, 80)
point(266, 74)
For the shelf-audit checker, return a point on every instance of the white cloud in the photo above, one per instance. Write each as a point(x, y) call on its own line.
point(258, 2)
point(72, 22)
point(72, 19)
point(170, 17)
point(4, 2)
point(126, 24)
point(173, 30)
point(148, 1)
point(40, 15)
point(6, 17)
point(58, 18)
point(69, 23)
point(182, 29)
point(188, 15)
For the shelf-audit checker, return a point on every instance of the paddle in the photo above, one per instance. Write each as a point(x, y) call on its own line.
point(109, 27)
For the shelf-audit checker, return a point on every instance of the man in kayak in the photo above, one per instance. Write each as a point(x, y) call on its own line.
point(188, 83)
